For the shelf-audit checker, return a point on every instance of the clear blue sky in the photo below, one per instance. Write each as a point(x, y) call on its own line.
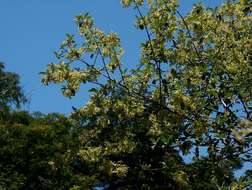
point(32, 29)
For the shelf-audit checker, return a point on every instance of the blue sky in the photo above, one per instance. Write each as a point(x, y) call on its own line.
point(32, 29)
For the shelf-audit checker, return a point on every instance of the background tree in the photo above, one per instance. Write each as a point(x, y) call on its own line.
point(11, 94)
point(10, 90)
point(35, 153)
point(191, 90)
point(33, 147)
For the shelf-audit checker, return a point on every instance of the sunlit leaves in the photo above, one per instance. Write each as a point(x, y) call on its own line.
point(192, 89)
point(106, 47)
point(126, 3)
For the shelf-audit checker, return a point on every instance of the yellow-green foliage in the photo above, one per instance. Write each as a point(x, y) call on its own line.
point(192, 89)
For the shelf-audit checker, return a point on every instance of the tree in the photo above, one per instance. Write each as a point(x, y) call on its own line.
point(10, 89)
point(34, 152)
point(11, 94)
point(191, 90)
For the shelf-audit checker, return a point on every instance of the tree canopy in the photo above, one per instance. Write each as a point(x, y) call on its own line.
point(191, 90)
point(189, 95)
point(10, 90)
point(35, 151)
point(11, 93)
point(30, 144)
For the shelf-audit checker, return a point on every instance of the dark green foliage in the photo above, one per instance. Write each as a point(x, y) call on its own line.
point(10, 89)
point(33, 152)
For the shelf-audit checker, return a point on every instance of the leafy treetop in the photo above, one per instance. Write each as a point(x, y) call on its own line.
point(191, 89)
point(10, 90)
